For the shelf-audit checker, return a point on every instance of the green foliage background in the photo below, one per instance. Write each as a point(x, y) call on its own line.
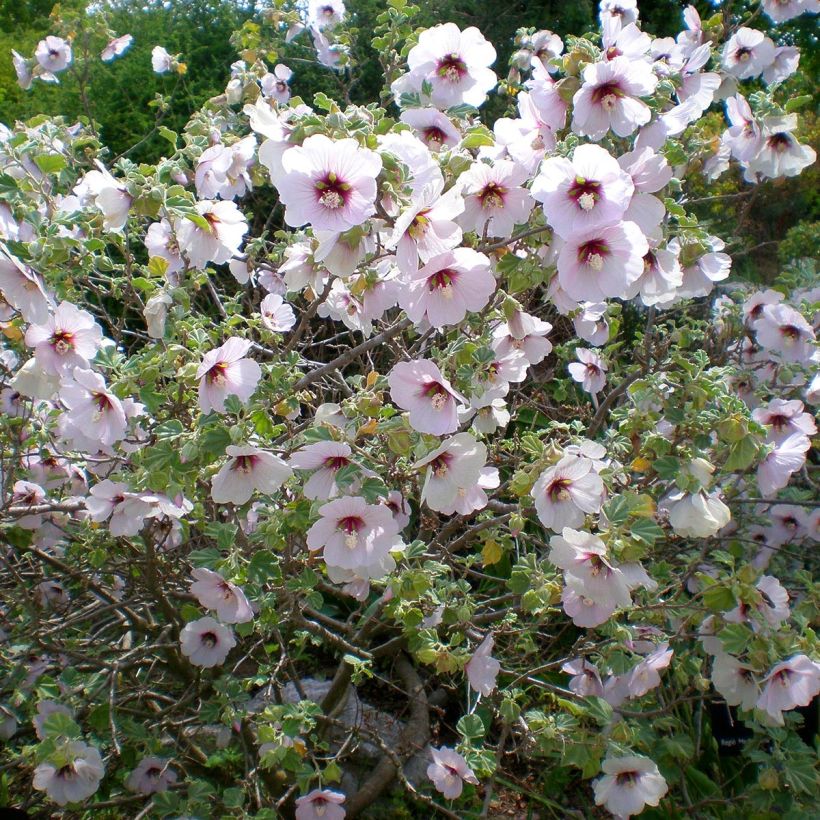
point(122, 94)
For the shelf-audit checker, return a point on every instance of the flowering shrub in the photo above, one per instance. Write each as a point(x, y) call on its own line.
point(351, 448)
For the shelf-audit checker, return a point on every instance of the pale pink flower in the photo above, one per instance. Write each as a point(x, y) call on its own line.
point(470, 499)
point(51, 595)
point(23, 289)
point(784, 330)
point(603, 262)
point(427, 227)
point(248, 470)
point(661, 279)
point(773, 604)
point(399, 507)
point(626, 11)
point(700, 273)
point(93, 410)
point(116, 47)
point(449, 771)
point(488, 411)
point(784, 418)
point(482, 669)
point(78, 776)
point(206, 642)
point(628, 785)
point(789, 524)
point(565, 493)
point(100, 188)
point(747, 53)
point(788, 456)
point(744, 136)
point(151, 776)
point(226, 599)
point(448, 286)
point(455, 465)
point(455, 63)
point(277, 315)
point(646, 675)
point(320, 804)
point(330, 184)
point(583, 610)
point(793, 682)
point(434, 128)
point(325, 14)
point(53, 54)
point(524, 332)
point(495, 201)
point(353, 533)
point(328, 54)
point(161, 241)
point(28, 494)
point(786, 61)
point(586, 680)
point(589, 371)
point(781, 155)
point(161, 60)
point(226, 372)
point(609, 98)
point(276, 85)
point(697, 515)
point(22, 68)
point(782, 10)
point(69, 338)
point(584, 193)
point(217, 240)
point(156, 313)
point(735, 681)
point(325, 458)
point(419, 387)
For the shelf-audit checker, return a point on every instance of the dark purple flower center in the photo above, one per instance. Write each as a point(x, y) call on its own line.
point(780, 142)
point(443, 280)
point(627, 778)
point(244, 464)
point(335, 462)
point(743, 54)
point(434, 134)
point(585, 193)
point(593, 253)
point(607, 95)
point(492, 195)
point(436, 392)
point(332, 192)
point(350, 524)
point(209, 639)
point(62, 341)
point(558, 490)
point(451, 68)
point(790, 332)
point(217, 374)
point(441, 464)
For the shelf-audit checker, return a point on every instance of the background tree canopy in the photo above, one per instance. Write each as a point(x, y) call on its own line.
point(122, 95)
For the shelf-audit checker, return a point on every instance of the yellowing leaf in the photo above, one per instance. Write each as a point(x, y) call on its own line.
point(644, 506)
point(368, 429)
point(491, 553)
point(640, 465)
point(12, 332)
point(372, 377)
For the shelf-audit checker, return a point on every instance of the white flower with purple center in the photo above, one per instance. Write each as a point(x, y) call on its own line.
point(482, 669)
point(494, 199)
point(69, 338)
point(93, 410)
point(781, 155)
point(449, 772)
point(53, 54)
point(248, 470)
point(276, 85)
point(602, 263)
point(447, 287)
point(23, 289)
point(524, 332)
point(455, 64)
point(277, 315)
point(452, 468)
point(226, 372)
point(584, 193)
point(783, 330)
point(610, 98)
point(216, 241)
point(206, 642)
point(777, 468)
point(434, 128)
point(330, 184)
point(75, 778)
point(325, 459)
point(629, 785)
point(352, 533)
point(589, 371)
point(419, 387)
point(735, 681)
point(784, 418)
point(225, 598)
point(791, 683)
point(116, 47)
point(747, 53)
point(565, 493)
point(151, 776)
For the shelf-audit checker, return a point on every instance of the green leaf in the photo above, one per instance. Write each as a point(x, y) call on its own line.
point(801, 775)
point(471, 727)
point(797, 102)
point(735, 638)
point(263, 566)
point(50, 163)
point(719, 598)
point(742, 454)
point(58, 724)
point(168, 134)
point(599, 710)
point(666, 467)
point(646, 530)
point(204, 558)
point(617, 510)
